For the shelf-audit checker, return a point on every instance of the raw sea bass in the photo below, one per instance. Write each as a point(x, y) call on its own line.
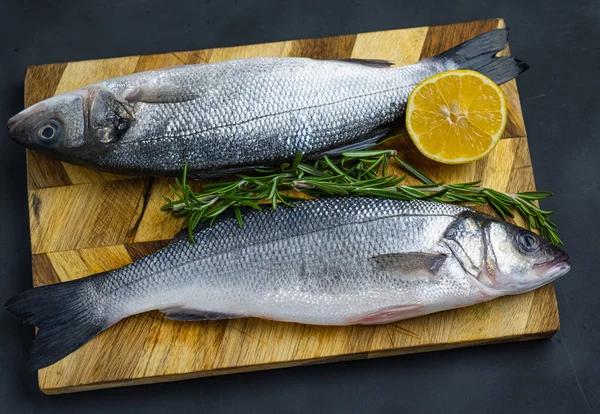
point(238, 115)
point(335, 261)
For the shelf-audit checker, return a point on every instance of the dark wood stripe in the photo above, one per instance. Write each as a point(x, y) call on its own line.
point(44, 273)
point(515, 126)
point(441, 38)
point(41, 82)
point(35, 205)
point(337, 47)
point(200, 56)
point(44, 172)
point(138, 250)
point(145, 196)
point(520, 180)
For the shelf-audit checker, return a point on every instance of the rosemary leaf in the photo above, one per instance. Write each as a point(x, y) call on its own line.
point(365, 155)
point(416, 173)
point(297, 162)
point(535, 195)
point(238, 216)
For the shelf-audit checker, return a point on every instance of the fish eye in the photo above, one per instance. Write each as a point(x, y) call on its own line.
point(49, 133)
point(528, 242)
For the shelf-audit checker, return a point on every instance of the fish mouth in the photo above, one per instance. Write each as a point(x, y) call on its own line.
point(14, 122)
point(558, 270)
point(554, 269)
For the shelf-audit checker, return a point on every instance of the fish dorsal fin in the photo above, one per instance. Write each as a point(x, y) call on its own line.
point(165, 93)
point(409, 264)
point(374, 63)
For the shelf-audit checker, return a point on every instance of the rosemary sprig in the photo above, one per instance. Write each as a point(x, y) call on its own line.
point(358, 173)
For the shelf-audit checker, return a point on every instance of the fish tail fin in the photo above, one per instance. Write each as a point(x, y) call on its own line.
point(67, 314)
point(479, 54)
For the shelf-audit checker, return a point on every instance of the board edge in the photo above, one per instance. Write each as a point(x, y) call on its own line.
point(157, 379)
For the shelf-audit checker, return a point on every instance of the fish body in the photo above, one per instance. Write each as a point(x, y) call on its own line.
point(238, 115)
point(332, 261)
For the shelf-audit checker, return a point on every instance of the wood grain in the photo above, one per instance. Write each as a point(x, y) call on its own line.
point(78, 229)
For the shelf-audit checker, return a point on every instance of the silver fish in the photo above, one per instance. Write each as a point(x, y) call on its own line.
point(333, 261)
point(238, 115)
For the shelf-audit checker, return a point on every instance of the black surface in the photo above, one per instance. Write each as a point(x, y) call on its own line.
point(560, 98)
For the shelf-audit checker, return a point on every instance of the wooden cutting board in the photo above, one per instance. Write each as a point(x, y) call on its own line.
point(84, 222)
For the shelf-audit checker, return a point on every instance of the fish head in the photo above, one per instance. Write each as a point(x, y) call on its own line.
point(524, 261)
point(75, 126)
point(50, 125)
point(504, 258)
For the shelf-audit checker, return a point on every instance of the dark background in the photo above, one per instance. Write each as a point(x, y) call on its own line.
point(559, 94)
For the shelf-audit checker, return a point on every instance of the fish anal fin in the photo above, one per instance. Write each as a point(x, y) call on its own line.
point(188, 314)
point(389, 314)
point(411, 264)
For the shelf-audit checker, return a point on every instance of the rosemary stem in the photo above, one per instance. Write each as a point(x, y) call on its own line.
point(301, 184)
point(177, 207)
point(356, 173)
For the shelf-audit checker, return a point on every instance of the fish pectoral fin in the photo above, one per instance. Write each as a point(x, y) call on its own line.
point(187, 314)
point(364, 144)
point(374, 63)
point(165, 93)
point(410, 264)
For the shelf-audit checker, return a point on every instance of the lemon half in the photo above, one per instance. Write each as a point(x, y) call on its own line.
point(457, 116)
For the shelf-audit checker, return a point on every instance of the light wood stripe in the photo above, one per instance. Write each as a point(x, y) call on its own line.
point(402, 47)
point(81, 216)
point(79, 74)
point(339, 47)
